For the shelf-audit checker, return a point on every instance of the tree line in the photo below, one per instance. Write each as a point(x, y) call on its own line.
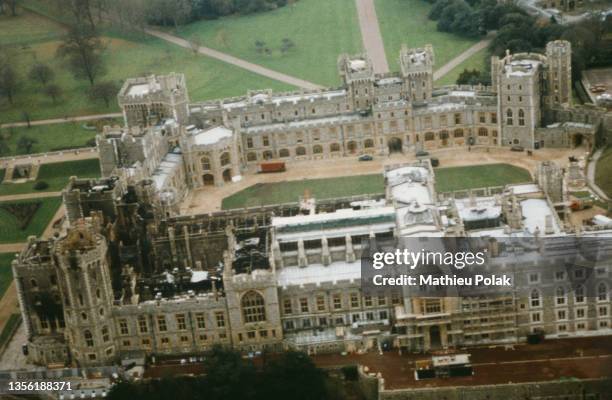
point(290, 375)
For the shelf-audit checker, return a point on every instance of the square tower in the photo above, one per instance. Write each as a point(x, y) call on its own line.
point(416, 67)
point(357, 72)
point(559, 74)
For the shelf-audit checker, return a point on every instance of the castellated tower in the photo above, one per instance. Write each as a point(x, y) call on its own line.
point(416, 67)
point(559, 54)
point(85, 283)
point(357, 73)
point(147, 100)
point(550, 179)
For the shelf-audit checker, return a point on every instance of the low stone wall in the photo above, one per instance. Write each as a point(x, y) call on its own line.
point(26, 157)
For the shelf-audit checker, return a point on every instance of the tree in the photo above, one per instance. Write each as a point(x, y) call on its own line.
point(103, 91)
point(82, 47)
point(9, 81)
point(25, 144)
point(41, 73)
point(4, 148)
point(260, 46)
point(53, 91)
point(286, 45)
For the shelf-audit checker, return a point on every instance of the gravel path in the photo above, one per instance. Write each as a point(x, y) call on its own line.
point(448, 67)
point(370, 35)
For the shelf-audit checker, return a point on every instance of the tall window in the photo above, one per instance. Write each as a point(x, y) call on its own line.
point(509, 117)
point(200, 321)
point(180, 322)
point(142, 324)
point(521, 115)
point(105, 334)
point(88, 338)
point(161, 323)
point(205, 163)
point(579, 294)
point(123, 327)
point(253, 307)
point(602, 292)
point(225, 159)
point(535, 298)
point(560, 296)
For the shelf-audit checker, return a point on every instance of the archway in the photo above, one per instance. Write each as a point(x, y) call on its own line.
point(435, 339)
point(395, 145)
point(227, 175)
point(209, 179)
point(578, 139)
point(267, 155)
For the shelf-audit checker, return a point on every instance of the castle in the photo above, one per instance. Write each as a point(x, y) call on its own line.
point(128, 276)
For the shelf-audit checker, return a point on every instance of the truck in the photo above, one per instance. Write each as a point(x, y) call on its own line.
point(269, 167)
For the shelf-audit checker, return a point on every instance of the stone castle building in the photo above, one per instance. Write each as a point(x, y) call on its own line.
point(128, 276)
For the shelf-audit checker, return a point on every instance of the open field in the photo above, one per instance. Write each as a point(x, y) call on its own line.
point(6, 273)
point(27, 28)
point(603, 172)
point(56, 175)
point(7, 331)
point(320, 29)
point(405, 21)
point(124, 58)
point(478, 62)
point(9, 231)
point(471, 177)
point(447, 179)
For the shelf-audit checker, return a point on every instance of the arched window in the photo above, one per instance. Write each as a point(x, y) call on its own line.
point(225, 158)
point(429, 136)
point(88, 338)
point(560, 295)
point(535, 298)
point(521, 115)
point(368, 143)
point(300, 151)
point(509, 117)
point(251, 156)
point(602, 292)
point(267, 155)
point(205, 163)
point(317, 149)
point(334, 147)
point(253, 307)
point(283, 153)
point(458, 133)
point(579, 294)
point(483, 132)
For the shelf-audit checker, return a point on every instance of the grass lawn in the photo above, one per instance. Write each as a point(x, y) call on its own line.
point(603, 171)
point(447, 179)
point(289, 192)
point(13, 321)
point(49, 137)
point(478, 176)
point(9, 231)
point(6, 272)
point(27, 28)
point(478, 62)
point(124, 58)
point(405, 21)
point(56, 175)
point(320, 29)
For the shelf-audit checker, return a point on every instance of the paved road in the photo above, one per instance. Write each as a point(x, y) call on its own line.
point(258, 69)
point(26, 196)
point(11, 247)
point(61, 120)
point(448, 67)
point(370, 35)
point(591, 175)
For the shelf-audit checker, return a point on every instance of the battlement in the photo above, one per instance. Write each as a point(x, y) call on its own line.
point(415, 60)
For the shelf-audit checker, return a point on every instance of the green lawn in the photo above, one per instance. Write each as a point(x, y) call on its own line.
point(49, 137)
point(13, 321)
point(320, 29)
point(447, 179)
point(124, 58)
point(6, 272)
point(479, 176)
point(290, 191)
point(56, 175)
point(603, 171)
point(27, 28)
point(9, 231)
point(478, 62)
point(405, 21)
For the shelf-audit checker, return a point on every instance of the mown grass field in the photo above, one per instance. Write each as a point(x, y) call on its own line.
point(405, 21)
point(6, 272)
point(447, 179)
point(320, 29)
point(603, 172)
point(478, 62)
point(124, 58)
point(9, 233)
point(13, 321)
point(56, 175)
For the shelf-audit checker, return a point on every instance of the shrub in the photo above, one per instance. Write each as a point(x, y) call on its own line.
point(41, 185)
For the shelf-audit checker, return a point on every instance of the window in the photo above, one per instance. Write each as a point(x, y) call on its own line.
point(370, 316)
point(165, 340)
point(251, 156)
point(89, 342)
point(603, 311)
point(383, 315)
point(320, 303)
point(317, 149)
point(560, 275)
point(205, 163)
point(161, 323)
point(534, 277)
point(249, 143)
point(283, 153)
point(355, 317)
point(266, 140)
point(126, 343)
point(142, 324)
point(509, 117)
point(483, 132)
point(368, 143)
point(334, 147)
point(354, 300)
point(579, 273)
point(535, 298)
point(289, 325)
point(535, 317)
point(367, 301)
point(521, 116)
point(253, 307)
point(482, 117)
point(200, 321)
point(287, 307)
point(123, 327)
point(580, 313)
point(493, 118)
point(560, 296)
point(561, 315)
point(105, 334)
point(443, 135)
point(602, 292)
point(304, 305)
point(457, 119)
point(220, 317)
point(300, 151)
point(337, 302)
point(225, 158)
point(180, 322)
point(458, 133)
point(263, 334)
point(579, 294)
point(429, 136)
point(382, 300)
point(251, 334)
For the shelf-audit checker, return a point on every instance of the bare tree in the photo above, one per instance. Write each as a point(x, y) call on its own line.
point(41, 73)
point(9, 81)
point(104, 91)
point(53, 91)
point(82, 47)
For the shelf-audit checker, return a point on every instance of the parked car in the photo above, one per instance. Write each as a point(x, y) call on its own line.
point(365, 157)
point(517, 148)
point(422, 153)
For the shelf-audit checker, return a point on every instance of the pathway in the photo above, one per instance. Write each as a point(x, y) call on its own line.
point(371, 36)
point(591, 175)
point(26, 196)
point(449, 66)
point(44, 158)
point(61, 120)
point(258, 69)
